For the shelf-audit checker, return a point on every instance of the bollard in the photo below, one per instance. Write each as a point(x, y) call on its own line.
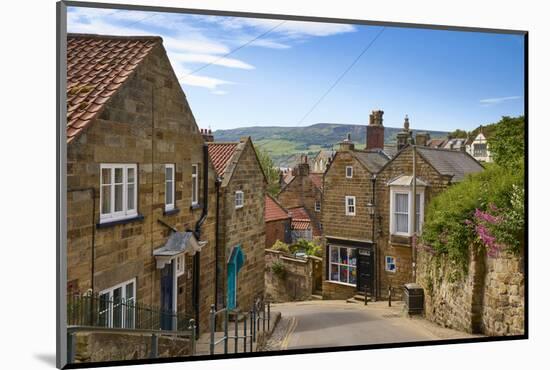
point(268, 315)
point(212, 328)
point(236, 332)
point(389, 296)
point(154, 346)
point(226, 331)
point(366, 292)
point(71, 347)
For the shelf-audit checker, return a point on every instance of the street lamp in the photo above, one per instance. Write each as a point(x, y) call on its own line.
point(370, 208)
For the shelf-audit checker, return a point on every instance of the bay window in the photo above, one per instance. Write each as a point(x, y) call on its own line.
point(118, 191)
point(400, 210)
point(343, 265)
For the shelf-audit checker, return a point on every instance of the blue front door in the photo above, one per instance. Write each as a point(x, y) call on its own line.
point(236, 260)
point(166, 296)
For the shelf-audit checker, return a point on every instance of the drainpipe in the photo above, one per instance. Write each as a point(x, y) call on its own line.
point(197, 233)
point(374, 244)
point(218, 247)
point(92, 191)
point(414, 215)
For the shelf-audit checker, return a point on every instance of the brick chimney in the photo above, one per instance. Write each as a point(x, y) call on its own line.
point(404, 137)
point(207, 135)
point(375, 130)
point(346, 145)
point(302, 169)
point(422, 138)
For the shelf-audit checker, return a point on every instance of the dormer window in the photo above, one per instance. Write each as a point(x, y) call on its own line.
point(349, 172)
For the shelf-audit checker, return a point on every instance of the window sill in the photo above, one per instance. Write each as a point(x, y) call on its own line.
point(173, 211)
point(107, 224)
point(195, 206)
point(340, 283)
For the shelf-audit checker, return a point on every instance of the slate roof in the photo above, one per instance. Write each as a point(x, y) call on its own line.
point(221, 154)
point(450, 162)
point(372, 160)
point(406, 180)
point(97, 66)
point(273, 210)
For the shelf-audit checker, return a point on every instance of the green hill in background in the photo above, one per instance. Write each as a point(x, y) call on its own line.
point(284, 143)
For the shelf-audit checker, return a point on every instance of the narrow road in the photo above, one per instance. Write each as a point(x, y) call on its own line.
point(336, 323)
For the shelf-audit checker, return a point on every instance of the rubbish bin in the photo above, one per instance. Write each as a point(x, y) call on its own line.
point(414, 298)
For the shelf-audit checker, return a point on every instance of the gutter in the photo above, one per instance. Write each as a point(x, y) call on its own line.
point(197, 233)
point(374, 244)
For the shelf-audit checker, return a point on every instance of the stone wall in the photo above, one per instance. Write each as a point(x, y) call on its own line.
point(150, 118)
point(244, 226)
point(488, 299)
point(96, 347)
point(297, 281)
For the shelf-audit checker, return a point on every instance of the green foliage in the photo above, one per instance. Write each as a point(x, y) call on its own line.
point(281, 247)
point(458, 133)
point(506, 143)
point(446, 230)
point(270, 170)
point(307, 247)
point(278, 269)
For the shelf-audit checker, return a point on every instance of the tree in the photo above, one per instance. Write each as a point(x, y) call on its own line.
point(507, 142)
point(458, 133)
point(270, 170)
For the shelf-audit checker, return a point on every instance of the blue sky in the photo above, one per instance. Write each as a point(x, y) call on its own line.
point(442, 79)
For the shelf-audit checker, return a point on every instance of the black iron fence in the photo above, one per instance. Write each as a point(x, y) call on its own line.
point(245, 326)
point(93, 310)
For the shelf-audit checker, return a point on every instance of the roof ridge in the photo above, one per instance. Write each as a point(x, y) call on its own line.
point(115, 37)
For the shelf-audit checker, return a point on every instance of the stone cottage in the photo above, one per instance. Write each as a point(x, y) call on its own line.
point(367, 198)
point(305, 191)
point(241, 236)
point(140, 189)
point(277, 222)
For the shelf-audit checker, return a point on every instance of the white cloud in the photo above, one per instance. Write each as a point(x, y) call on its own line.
point(209, 59)
point(219, 92)
point(494, 101)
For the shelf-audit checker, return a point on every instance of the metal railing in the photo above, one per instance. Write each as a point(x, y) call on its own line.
point(257, 317)
point(94, 313)
point(93, 310)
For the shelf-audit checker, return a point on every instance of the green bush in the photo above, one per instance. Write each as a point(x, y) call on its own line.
point(281, 247)
point(278, 269)
point(485, 209)
point(307, 247)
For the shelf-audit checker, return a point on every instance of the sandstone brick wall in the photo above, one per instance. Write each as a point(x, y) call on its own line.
point(503, 309)
point(334, 290)
point(297, 283)
point(151, 120)
point(96, 347)
point(489, 299)
point(276, 230)
point(245, 227)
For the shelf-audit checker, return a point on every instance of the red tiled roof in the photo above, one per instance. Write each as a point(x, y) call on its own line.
point(96, 68)
point(273, 210)
point(301, 225)
point(317, 180)
point(299, 213)
point(221, 154)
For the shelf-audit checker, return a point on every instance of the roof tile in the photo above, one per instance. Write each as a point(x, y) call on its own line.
point(273, 210)
point(221, 154)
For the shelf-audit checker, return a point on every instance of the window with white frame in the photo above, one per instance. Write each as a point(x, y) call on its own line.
point(118, 191)
point(317, 206)
point(169, 195)
point(400, 215)
point(390, 264)
point(239, 199)
point(117, 305)
point(195, 184)
point(350, 205)
point(349, 172)
point(180, 265)
point(343, 265)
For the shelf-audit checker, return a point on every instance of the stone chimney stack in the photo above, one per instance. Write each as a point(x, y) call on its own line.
point(302, 169)
point(207, 135)
point(422, 138)
point(346, 145)
point(375, 130)
point(404, 137)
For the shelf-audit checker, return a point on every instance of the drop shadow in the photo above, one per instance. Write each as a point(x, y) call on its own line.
point(47, 358)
